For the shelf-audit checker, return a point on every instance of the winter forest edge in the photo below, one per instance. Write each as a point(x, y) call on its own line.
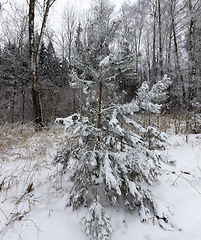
point(113, 81)
point(148, 38)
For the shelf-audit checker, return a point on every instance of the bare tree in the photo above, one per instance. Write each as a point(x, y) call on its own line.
point(69, 28)
point(153, 14)
point(175, 10)
point(160, 38)
point(192, 70)
point(34, 57)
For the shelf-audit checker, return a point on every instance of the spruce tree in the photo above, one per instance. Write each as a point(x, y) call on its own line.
point(108, 160)
point(112, 163)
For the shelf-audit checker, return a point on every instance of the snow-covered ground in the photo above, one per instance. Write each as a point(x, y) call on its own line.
point(33, 194)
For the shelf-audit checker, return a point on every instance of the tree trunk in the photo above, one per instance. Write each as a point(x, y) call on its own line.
point(154, 49)
point(148, 57)
point(177, 66)
point(34, 58)
point(169, 52)
point(99, 104)
point(33, 70)
point(160, 39)
point(192, 91)
point(23, 101)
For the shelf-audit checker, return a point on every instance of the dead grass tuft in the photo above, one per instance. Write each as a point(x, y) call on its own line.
point(13, 136)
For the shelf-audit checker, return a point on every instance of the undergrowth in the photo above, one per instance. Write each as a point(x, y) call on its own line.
point(26, 164)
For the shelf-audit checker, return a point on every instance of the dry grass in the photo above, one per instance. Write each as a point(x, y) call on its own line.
point(26, 165)
point(14, 137)
point(26, 157)
point(175, 124)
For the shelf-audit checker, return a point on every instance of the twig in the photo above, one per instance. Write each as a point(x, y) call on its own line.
point(198, 166)
point(192, 185)
point(33, 223)
point(28, 190)
point(9, 222)
point(181, 175)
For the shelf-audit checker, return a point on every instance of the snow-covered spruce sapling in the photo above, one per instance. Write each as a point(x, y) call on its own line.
point(107, 162)
point(111, 163)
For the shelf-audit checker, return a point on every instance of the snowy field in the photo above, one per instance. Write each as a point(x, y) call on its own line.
point(33, 194)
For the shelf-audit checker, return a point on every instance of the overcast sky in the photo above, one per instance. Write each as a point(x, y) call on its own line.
point(81, 4)
point(84, 4)
point(59, 6)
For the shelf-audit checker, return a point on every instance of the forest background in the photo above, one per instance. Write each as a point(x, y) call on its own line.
point(152, 38)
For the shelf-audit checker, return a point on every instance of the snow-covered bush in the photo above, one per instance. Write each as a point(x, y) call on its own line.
point(194, 123)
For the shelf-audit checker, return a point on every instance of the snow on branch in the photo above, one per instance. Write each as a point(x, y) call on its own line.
point(151, 100)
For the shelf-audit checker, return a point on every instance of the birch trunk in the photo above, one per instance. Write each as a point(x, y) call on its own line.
point(192, 91)
point(154, 72)
point(160, 39)
point(33, 73)
point(34, 58)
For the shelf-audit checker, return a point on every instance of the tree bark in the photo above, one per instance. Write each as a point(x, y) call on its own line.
point(99, 104)
point(160, 39)
point(154, 73)
point(177, 66)
point(192, 91)
point(34, 58)
point(33, 69)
